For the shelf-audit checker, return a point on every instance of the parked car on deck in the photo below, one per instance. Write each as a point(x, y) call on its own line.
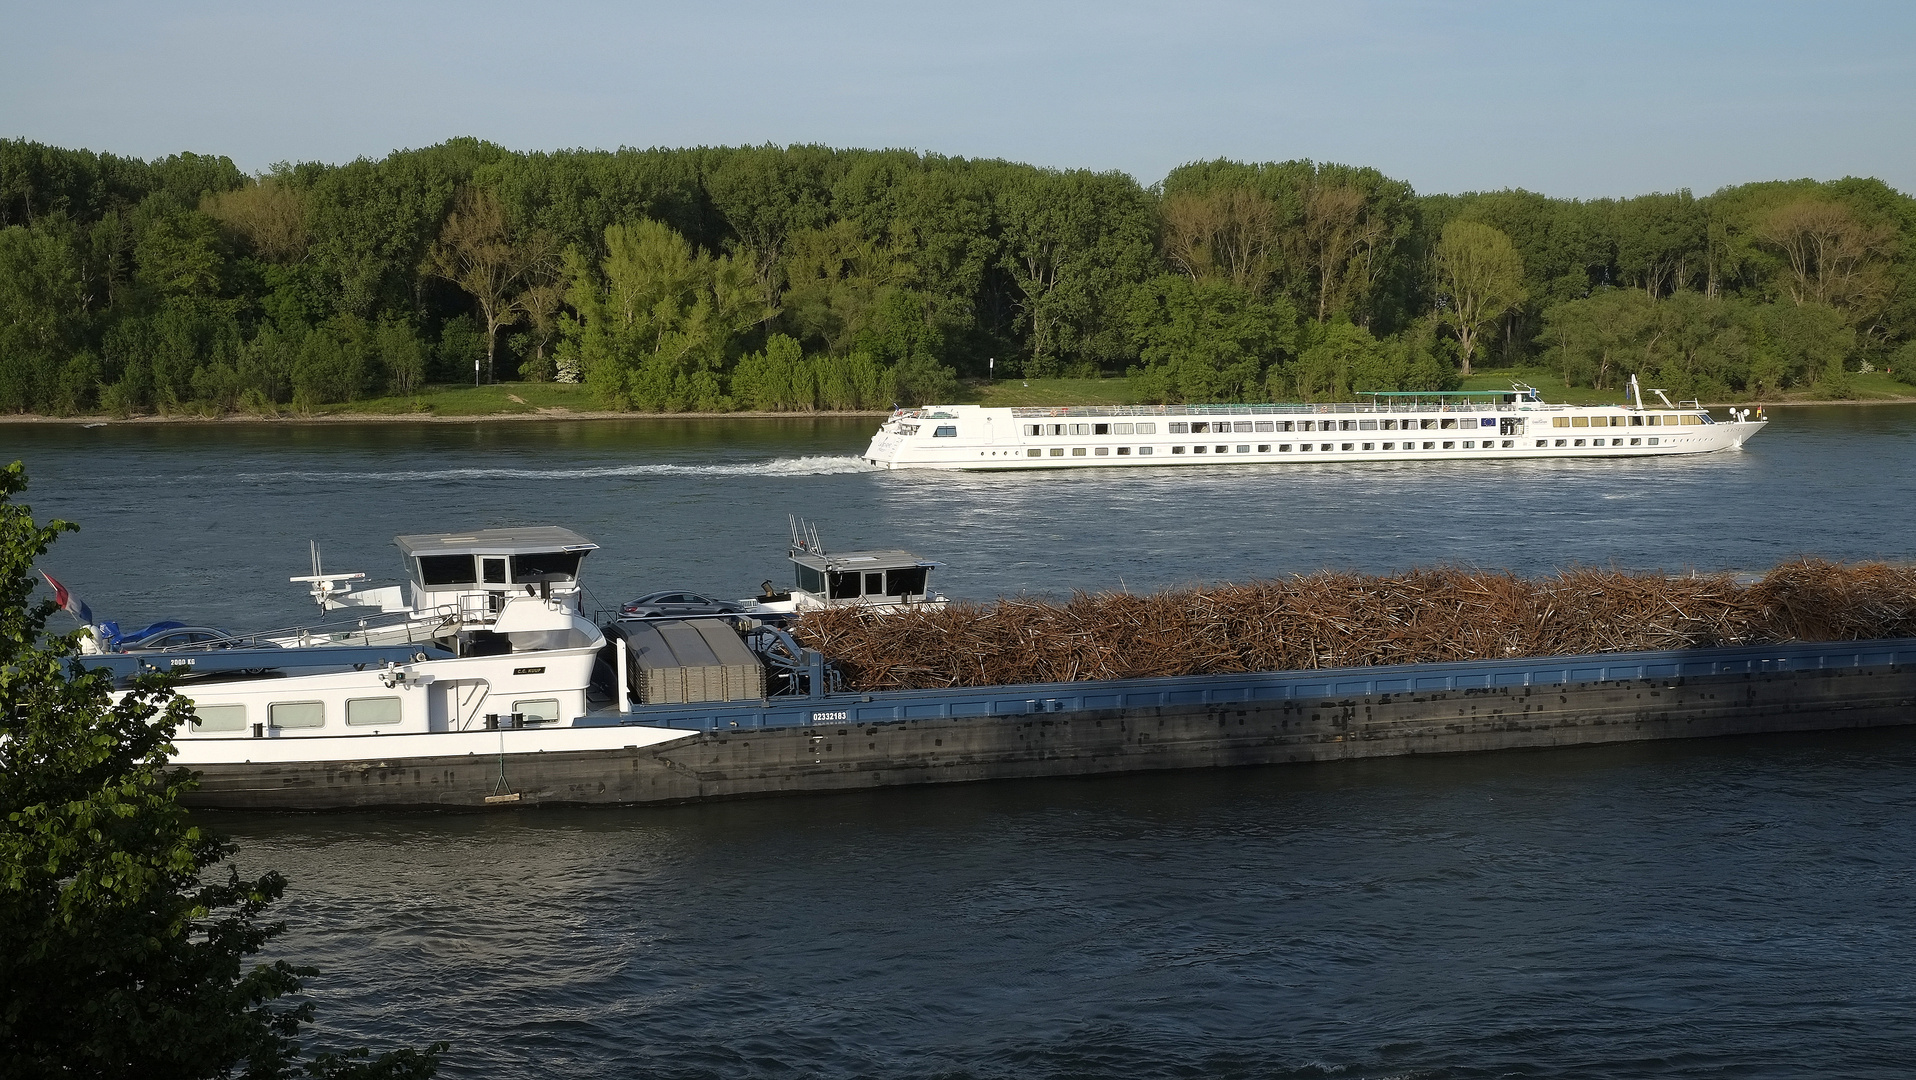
point(667, 605)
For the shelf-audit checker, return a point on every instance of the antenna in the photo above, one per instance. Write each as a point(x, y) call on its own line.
point(322, 583)
point(805, 535)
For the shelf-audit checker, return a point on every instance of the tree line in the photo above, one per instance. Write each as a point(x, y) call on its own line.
point(807, 277)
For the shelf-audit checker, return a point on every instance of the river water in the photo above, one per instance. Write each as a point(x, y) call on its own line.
point(1722, 908)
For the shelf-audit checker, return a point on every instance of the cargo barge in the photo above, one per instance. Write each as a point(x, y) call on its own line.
point(492, 687)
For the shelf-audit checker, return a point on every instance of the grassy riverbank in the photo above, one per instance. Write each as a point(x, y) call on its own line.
point(570, 401)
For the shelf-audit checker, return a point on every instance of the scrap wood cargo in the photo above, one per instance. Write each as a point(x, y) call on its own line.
point(1335, 620)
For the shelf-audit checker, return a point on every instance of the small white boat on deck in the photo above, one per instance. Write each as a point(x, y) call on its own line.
point(1406, 427)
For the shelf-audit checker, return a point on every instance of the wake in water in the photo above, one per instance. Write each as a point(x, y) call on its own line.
point(817, 465)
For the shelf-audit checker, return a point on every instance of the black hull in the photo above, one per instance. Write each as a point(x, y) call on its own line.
point(853, 755)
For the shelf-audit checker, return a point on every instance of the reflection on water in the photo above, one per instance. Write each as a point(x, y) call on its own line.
point(1733, 907)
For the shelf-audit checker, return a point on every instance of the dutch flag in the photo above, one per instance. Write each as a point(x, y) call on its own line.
point(70, 603)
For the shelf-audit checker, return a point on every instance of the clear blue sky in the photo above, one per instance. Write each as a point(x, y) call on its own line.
point(1582, 98)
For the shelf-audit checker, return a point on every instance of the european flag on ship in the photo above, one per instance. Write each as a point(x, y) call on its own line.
point(70, 603)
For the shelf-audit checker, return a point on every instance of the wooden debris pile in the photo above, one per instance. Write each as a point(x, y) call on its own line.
point(1332, 619)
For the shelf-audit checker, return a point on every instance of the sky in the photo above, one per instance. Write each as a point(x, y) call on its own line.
point(1577, 99)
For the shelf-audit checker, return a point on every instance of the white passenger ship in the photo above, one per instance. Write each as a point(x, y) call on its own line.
point(1408, 426)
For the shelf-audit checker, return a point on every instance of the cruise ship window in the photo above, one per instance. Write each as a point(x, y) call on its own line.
point(1561, 442)
point(1370, 446)
point(1348, 446)
point(1147, 429)
point(1284, 448)
point(1057, 451)
point(1123, 429)
point(1266, 425)
point(1428, 425)
point(1636, 421)
point(1100, 429)
point(1578, 442)
point(1579, 421)
point(1199, 427)
point(1264, 448)
point(1348, 425)
point(1390, 446)
point(1080, 429)
point(1470, 444)
point(1200, 449)
point(366, 711)
point(1144, 451)
point(219, 718)
point(1367, 425)
point(1102, 451)
point(1430, 446)
point(1243, 449)
point(1034, 452)
point(1543, 443)
point(1242, 425)
point(1223, 449)
point(1034, 429)
point(1323, 446)
point(1180, 428)
point(1177, 449)
point(297, 714)
point(1560, 421)
point(1287, 425)
point(1448, 422)
point(1653, 442)
point(1450, 446)
point(1123, 450)
point(946, 431)
point(1388, 425)
point(1636, 442)
point(1077, 451)
point(1305, 448)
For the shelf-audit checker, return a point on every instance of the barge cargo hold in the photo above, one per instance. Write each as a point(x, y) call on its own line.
point(822, 742)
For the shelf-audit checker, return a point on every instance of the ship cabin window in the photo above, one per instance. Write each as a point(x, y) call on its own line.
point(1450, 446)
point(1124, 429)
point(1367, 425)
point(495, 570)
point(1284, 448)
point(1034, 452)
point(1102, 451)
point(1636, 442)
point(1100, 429)
point(945, 431)
point(809, 579)
point(1561, 442)
point(1448, 422)
point(1145, 451)
point(1348, 425)
point(1079, 429)
point(1122, 451)
point(538, 709)
point(909, 581)
point(1241, 449)
point(1470, 444)
point(1347, 446)
point(285, 714)
point(1054, 429)
point(1241, 425)
point(1429, 425)
point(219, 718)
point(1077, 451)
point(1579, 421)
point(1034, 429)
point(1287, 425)
point(1180, 428)
point(1305, 447)
point(545, 566)
point(1390, 446)
point(1577, 442)
point(1636, 421)
point(1653, 442)
point(874, 583)
point(1541, 443)
point(1177, 449)
point(1370, 446)
point(447, 570)
point(1387, 425)
point(1199, 427)
point(1057, 451)
point(1307, 425)
point(1430, 446)
point(1200, 449)
point(1264, 425)
point(1693, 420)
point(1147, 429)
point(369, 711)
point(844, 585)
point(1560, 421)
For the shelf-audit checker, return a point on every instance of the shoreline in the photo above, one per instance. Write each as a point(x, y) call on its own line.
point(559, 414)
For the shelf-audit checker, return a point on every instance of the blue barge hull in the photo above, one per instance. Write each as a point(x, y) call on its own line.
point(839, 742)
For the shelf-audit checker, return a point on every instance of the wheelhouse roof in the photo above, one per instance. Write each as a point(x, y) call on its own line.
point(861, 560)
point(528, 540)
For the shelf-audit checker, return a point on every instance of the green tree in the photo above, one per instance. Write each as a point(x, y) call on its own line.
point(124, 940)
point(1479, 277)
point(1207, 342)
point(479, 252)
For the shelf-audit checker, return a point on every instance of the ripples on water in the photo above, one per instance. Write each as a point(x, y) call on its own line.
point(1723, 908)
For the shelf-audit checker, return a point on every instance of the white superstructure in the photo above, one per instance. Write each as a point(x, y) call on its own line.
point(1388, 427)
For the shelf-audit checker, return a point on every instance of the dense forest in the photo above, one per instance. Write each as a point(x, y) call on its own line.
point(805, 278)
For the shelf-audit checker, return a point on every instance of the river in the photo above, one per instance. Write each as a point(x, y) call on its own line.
point(1721, 908)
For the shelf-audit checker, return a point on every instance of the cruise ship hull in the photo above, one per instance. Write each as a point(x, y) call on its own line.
point(972, 438)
